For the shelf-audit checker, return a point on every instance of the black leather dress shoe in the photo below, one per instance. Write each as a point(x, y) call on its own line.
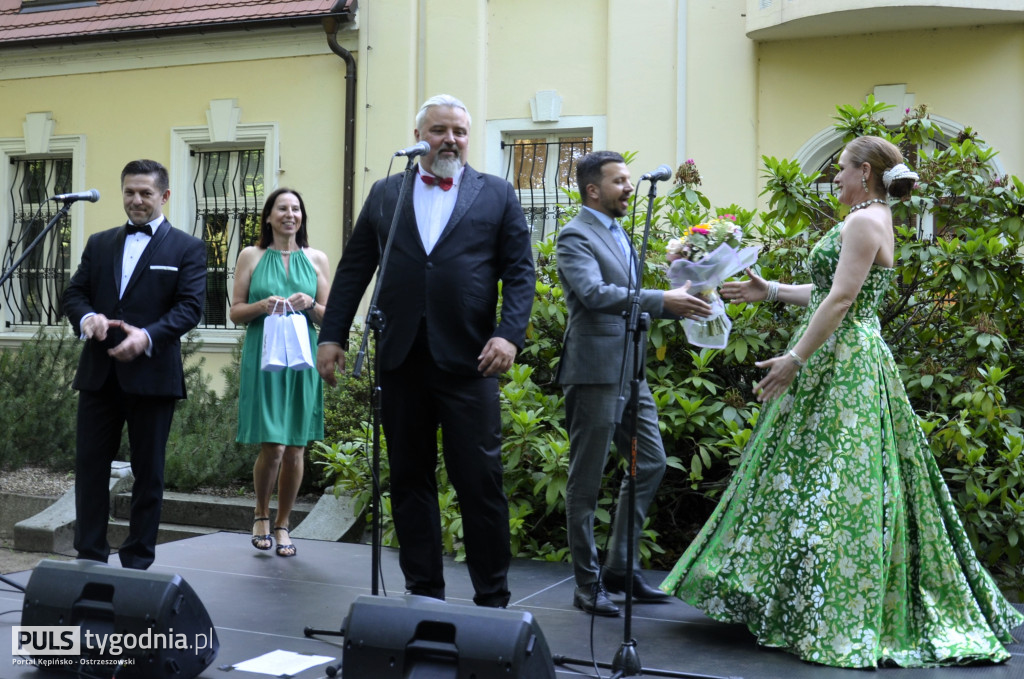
point(593, 599)
point(642, 591)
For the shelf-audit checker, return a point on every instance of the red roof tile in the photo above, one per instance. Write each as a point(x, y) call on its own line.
point(110, 18)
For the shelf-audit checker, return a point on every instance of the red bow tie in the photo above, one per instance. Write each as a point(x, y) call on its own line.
point(444, 182)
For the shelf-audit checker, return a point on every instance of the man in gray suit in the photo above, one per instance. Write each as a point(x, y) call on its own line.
point(599, 271)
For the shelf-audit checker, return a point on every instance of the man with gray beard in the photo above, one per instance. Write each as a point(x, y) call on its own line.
point(460, 233)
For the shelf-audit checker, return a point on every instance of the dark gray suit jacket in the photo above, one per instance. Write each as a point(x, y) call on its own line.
point(595, 274)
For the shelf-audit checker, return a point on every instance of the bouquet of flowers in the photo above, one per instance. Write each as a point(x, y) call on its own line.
point(706, 255)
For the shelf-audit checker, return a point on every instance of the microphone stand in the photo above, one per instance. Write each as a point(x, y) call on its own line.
point(626, 662)
point(376, 322)
point(62, 212)
point(566, 660)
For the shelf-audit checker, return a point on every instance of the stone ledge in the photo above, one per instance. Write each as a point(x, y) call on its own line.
point(333, 518)
point(225, 513)
point(15, 507)
point(53, 529)
point(48, 524)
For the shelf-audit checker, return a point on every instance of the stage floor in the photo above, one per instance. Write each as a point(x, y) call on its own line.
point(260, 602)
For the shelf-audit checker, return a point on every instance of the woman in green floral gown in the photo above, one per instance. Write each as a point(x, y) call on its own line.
point(837, 539)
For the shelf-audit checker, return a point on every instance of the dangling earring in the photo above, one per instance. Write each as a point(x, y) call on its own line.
point(864, 183)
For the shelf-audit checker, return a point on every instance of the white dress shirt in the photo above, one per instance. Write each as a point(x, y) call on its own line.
point(134, 244)
point(433, 207)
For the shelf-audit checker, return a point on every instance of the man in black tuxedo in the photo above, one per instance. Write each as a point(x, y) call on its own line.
point(137, 290)
point(459, 234)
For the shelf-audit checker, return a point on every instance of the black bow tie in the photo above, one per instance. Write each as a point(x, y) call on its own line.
point(139, 228)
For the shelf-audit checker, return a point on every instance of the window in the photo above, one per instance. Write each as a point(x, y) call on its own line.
point(227, 190)
point(819, 155)
point(32, 295)
point(538, 157)
point(222, 171)
point(541, 169)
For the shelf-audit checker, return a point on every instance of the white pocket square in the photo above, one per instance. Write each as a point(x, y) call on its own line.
point(160, 267)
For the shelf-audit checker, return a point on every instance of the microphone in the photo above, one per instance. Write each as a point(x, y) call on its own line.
point(92, 195)
point(663, 173)
point(417, 149)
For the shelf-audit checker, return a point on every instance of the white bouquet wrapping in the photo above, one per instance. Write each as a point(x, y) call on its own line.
point(694, 260)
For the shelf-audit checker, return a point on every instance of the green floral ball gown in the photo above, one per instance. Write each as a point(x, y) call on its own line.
point(837, 539)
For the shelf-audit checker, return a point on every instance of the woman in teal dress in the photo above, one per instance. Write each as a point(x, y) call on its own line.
point(836, 538)
point(281, 411)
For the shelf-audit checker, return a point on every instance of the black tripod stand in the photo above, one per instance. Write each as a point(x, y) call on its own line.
point(626, 662)
point(62, 212)
point(375, 322)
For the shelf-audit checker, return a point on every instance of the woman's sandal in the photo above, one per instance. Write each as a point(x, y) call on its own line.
point(285, 550)
point(262, 542)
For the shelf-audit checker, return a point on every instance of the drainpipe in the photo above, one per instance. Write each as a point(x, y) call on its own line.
point(331, 28)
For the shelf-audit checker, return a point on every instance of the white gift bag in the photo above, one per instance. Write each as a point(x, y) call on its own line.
point(275, 355)
point(300, 354)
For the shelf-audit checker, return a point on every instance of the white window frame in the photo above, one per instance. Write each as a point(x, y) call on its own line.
point(40, 142)
point(506, 130)
point(224, 132)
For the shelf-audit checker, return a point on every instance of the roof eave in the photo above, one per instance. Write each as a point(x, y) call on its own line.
point(343, 16)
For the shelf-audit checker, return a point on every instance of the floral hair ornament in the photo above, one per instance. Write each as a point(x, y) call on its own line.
point(898, 171)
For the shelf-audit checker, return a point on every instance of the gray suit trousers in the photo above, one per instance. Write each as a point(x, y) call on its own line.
point(591, 414)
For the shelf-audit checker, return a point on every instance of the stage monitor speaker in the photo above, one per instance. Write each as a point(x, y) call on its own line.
point(415, 637)
point(153, 622)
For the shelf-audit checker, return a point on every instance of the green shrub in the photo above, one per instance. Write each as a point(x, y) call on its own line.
point(201, 447)
point(37, 421)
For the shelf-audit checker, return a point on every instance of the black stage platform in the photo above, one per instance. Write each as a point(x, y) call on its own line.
point(260, 602)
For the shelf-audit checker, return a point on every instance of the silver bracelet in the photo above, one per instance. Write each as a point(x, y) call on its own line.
point(800, 362)
point(773, 291)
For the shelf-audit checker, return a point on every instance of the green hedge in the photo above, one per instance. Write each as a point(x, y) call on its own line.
point(37, 422)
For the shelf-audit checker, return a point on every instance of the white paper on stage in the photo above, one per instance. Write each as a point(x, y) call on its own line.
point(281, 663)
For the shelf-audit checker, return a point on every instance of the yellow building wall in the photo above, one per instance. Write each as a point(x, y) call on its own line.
point(608, 58)
point(542, 45)
point(642, 82)
point(127, 113)
point(670, 79)
point(967, 75)
point(721, 110)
